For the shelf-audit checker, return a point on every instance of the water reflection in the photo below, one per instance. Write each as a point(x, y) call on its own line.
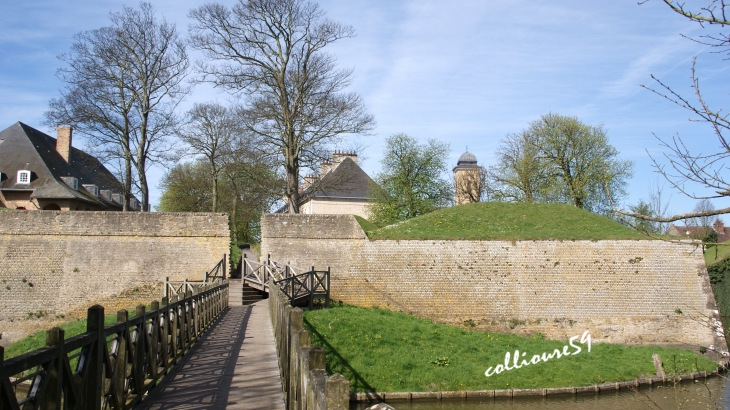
point(712, 394)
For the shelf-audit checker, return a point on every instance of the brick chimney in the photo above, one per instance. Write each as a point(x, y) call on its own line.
point(718, 226)
point(63, 141)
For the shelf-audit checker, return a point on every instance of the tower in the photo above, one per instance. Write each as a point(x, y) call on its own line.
point(467, 179)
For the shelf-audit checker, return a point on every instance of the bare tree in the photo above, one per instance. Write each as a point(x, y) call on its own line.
point(123, 83)
point(702, 207)
point(272, 52)
point(708, 169)
point(96, 101)
point(209, 130)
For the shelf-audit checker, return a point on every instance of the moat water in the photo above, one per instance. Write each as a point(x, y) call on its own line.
point(711, 394)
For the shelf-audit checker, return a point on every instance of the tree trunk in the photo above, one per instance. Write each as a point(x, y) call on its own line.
point(292, 184)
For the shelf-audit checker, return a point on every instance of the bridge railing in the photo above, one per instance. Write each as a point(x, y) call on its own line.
point(310, 285)
point(110, 367)
point(302, 365)
point(218, 271)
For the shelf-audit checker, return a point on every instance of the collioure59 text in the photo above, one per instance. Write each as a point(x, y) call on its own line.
point(519, 360)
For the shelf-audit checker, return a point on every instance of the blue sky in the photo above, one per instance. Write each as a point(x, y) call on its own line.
point(464, 72)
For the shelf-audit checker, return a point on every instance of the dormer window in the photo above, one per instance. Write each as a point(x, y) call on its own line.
point(93, 189)
point(24, 177)
point(72, 182)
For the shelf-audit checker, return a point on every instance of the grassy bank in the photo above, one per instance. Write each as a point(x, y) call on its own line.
point(38, 340)
point(505, 221)
point(381, 350)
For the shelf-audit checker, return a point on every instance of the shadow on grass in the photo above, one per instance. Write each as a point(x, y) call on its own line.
point(360, 384)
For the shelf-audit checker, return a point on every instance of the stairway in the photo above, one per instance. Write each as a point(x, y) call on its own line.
point(249, 295)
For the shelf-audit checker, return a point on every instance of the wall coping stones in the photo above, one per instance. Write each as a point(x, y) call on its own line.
point(311, 226)
point(148, 224)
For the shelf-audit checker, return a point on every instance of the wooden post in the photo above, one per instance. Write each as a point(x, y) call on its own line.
point(327, 294)
point(154, 340)
point(317, 391)
point(296, 324)
point(164, 324)
point(7, 395)
point(659, 367)
point(174, 321)
point(119, 370)
point(337, 392)
point(224, 266)
point(140, 349)
point(93, 383)
point(167, 286)
point(52, 397)
point(317, 358)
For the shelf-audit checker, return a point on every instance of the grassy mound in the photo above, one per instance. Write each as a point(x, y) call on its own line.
point(381, 350)
point(505, 221)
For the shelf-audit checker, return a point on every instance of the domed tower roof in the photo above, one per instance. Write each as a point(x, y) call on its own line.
point(467, 158)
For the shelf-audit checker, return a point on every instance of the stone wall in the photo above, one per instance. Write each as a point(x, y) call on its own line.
point(55, 262)
point(622, 291)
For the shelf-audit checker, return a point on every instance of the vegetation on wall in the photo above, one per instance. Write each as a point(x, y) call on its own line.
point(505, 221)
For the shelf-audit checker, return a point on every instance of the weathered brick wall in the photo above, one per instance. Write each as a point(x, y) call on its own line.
point(57, 262)
point(622, 291)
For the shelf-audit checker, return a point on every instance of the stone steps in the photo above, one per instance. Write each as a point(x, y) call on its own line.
point(250, 295)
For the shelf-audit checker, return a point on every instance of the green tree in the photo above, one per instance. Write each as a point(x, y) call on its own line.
point(580, 157)
point(642, 225)
point(246, 190)
point(519, 175)
point(186, 188)
point(412, 181)
point(560, 159)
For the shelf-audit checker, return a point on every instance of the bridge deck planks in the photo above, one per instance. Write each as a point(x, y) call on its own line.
point(233, 367)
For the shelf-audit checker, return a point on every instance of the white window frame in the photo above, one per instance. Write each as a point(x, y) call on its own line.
point(23, 177)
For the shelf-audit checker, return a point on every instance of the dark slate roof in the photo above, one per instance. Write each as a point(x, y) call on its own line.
point(25, 148)
point(468, 158)
point(347, 180)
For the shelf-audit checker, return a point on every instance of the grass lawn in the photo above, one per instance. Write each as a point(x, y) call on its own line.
point(382, 350)
point(723, 251)
point(505, 221)
point(38, 340)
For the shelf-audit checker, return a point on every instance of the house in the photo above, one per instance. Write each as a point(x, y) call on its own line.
point(697, 232)
point(341, 187)
point(38, 172)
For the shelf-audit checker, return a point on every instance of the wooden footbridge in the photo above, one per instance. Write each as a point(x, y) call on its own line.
point(199, 348)
point(302, 287)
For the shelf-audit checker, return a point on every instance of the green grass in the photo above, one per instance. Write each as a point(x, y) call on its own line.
point(506, 221)
point(368, 226)
point(723, 251)
point(381, 350)
point(38, 340)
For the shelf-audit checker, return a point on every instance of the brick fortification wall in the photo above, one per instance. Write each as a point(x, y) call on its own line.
point(58, 262)
point(622, 291)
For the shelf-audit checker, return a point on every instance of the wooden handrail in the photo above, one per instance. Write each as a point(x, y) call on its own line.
point(116, 365)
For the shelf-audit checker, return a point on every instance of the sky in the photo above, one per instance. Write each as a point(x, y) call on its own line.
point(463, 72)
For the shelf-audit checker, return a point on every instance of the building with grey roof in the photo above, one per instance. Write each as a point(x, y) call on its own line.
point(38, 172)
point(341, 187)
